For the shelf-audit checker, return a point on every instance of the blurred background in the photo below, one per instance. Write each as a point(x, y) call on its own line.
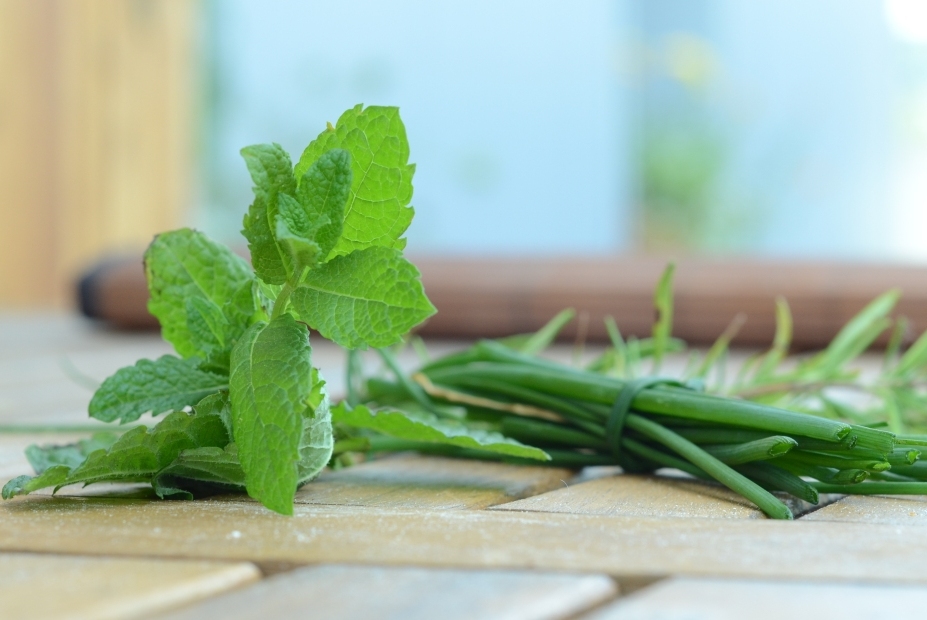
point(770, 128)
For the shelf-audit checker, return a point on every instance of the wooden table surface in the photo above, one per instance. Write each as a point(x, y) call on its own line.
point(417, 537)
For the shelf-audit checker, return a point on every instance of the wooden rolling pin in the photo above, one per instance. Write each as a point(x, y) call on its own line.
point(489, 297)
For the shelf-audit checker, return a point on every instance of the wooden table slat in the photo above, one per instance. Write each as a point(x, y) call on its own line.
point(908, 510)
point(647, 496)
point(411, 481)
point(636, 546)
point(734, 599)
point(359, 592)
point(37, 587)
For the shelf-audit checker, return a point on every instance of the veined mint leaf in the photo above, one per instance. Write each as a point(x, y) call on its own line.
point(206, 466)
point(370, 297)
point(208, 469)
point(307, 229)
point(23, 485)
point(135, 457)
point(377, 211)
point(294, 235)
point(269, 388)
point(317, 441)
point(220, 468)
point(183, 266)
point(165, 384)
point(324, 191)
point(210, 329)
point(71, 455)
point(266, 295)
point(423, 428)
point(217, 404)
point(272, 173)
point(142, 452)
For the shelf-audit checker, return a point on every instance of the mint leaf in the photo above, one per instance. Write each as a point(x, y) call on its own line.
point(23, 485)
point(135, 457)
point(71, 455)
point(269, 388)
point(370, 297)
point(294, 235)
point(377, 211)
point(317, 440)
point(210, 329)
point(272, 174)
point(324, 191)
point(186, 267)
point(142, 452)
point(209, 466)
point(166, 384)
point(423, 428)
point(307, 229)
point(217, 404)
point(220, 468)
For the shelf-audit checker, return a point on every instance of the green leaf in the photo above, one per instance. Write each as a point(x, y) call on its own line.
point(781, 341)
point(217, 404)
point(71, 455)
point(421, 428)
point(221, 468)
point(211, 465)
point(266, 295)
point(855, 337)
point(532, 344)
point(272, 174)
point(720, 346)
point(210, 330)
point(23, 485)
point(165, 384)
point(663, 303)
point(377, 211)
point(914, 359)
point(210, 468)
point(324, 191)
point(293, 233)
point(368, 298)
point(142, 452)
point(137, 456)
point(269, 388)
point(192, 281)
point(317, 440)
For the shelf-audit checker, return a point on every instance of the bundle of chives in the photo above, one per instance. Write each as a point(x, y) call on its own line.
point(582, 418)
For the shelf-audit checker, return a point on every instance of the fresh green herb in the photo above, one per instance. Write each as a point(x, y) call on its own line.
point(326, 248)
point(402, 425)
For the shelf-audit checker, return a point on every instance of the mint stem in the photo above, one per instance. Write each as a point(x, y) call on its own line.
point(281, 301)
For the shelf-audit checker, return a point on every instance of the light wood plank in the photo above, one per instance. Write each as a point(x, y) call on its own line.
point(733, 599)
point(37, 587)
point(126, 83)
point(357, 592)
point(27, 95)
point(464, 538)
point(409, 481)
point(647, 496)
point(910, 510)
point(50, 363)
point(96, 142)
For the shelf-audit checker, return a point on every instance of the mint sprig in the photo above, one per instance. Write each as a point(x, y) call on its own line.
point(326, 252)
